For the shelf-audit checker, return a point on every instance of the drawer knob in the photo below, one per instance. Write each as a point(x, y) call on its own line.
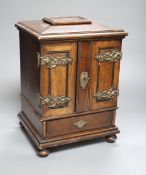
point(110, 56)
point(84, 78)
point(80, 124)
point(106, 95)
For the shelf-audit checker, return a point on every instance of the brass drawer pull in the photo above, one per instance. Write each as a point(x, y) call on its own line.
point(80, 124)
point(51, 61)
point(110, 56)
point(106, 95)
point(84, 78)
point(54, 101)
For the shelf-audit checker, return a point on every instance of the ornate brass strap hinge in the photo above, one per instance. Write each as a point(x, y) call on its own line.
point(53, 60)
point(110, 56)
point(51, 102)
point(106, 95)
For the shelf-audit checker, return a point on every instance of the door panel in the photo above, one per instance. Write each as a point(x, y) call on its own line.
point(58, 78)
point(83, 74)
point(105, 74)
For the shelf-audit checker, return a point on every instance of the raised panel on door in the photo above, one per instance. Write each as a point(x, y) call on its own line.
point(106, 57)
point(58, 75)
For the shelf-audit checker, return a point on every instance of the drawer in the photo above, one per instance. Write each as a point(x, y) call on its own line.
point(76, 124)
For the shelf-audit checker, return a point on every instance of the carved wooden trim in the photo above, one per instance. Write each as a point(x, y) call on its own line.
point(30, 28)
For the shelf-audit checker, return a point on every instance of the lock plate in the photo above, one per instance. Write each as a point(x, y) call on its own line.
point(84, 78)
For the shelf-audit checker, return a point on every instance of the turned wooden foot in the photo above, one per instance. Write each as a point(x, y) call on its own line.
point(43, 152)
point(21, 125)
point(111, 139)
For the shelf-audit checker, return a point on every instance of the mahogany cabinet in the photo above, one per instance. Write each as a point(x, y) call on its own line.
point(69, 80)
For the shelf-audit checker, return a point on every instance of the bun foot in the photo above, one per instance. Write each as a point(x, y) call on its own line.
point(43, 153)
point(21, 125)
point(111, 139)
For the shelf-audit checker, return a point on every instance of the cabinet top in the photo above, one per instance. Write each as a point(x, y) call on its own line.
point(68, 28)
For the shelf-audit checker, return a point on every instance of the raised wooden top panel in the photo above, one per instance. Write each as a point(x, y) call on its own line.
point(68, 28)
point(75, 20)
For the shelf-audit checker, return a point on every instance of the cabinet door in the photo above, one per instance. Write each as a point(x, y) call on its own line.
point(58, 72)
point(106, 57)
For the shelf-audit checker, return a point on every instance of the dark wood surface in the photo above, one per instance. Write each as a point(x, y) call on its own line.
point(104, 75)
point(84, 62)
point(42, 143)
point(59, 81)
point(30, 79)
point(75, 20)
point(45, 31)
point(83, 117)
point(66, 126)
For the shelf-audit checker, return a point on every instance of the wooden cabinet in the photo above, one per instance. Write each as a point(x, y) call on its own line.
point(69, 80)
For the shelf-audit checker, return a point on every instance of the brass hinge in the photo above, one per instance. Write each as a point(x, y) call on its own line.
point(106, 95)
point(51, 101)
point(110, 56)
point(53, 60)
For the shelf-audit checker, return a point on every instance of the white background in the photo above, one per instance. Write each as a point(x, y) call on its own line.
point(125, 157)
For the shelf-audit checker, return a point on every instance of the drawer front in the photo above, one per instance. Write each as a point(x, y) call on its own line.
point(58, 72)
point(104, 75)
point(79, 124)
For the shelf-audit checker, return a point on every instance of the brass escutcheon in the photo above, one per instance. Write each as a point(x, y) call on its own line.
point(84, 78)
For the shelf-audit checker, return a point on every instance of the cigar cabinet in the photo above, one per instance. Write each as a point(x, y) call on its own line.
point(69, 80)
